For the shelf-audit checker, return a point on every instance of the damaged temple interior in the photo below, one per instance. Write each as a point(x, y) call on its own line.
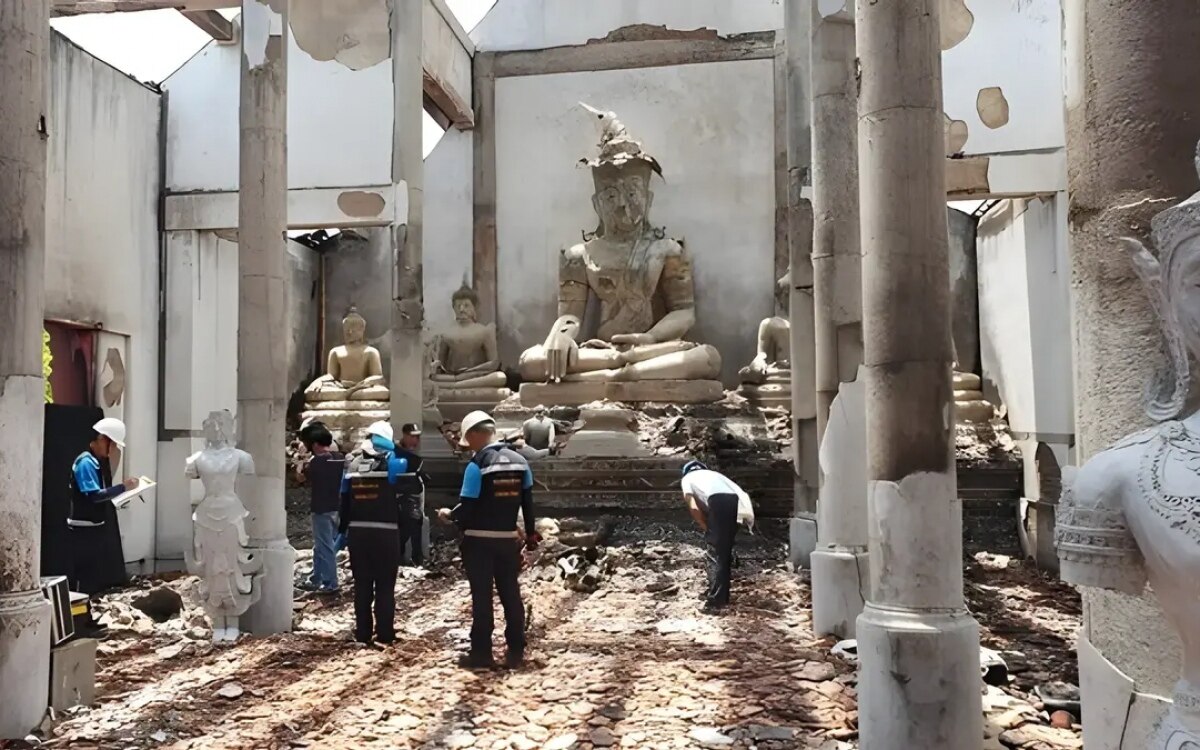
point(902, 286)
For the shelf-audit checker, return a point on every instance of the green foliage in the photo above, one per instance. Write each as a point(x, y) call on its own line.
point(47, 365)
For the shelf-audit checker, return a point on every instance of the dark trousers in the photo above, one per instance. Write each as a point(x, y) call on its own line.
point(722, 528)
point(410, 539)
point(488, 562)
point(374, 561)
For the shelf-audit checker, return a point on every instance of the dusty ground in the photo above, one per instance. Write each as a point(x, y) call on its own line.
point(631, 665)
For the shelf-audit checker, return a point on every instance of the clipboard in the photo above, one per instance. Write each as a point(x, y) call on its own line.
point(144, 483)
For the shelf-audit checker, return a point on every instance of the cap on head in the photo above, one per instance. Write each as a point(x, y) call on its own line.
point(113, 429)
point(410, 428)
point(691, 466)
point(383, 430)
point(471, 421)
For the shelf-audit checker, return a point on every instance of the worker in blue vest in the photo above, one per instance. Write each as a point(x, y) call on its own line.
point(98, 559)
point(497, 485)
point(369, 523)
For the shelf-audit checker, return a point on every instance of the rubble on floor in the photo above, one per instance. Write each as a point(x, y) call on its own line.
point(633, 664)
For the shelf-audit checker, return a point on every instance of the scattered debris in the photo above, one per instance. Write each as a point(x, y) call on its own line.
point(632, 664)
point(161, 603)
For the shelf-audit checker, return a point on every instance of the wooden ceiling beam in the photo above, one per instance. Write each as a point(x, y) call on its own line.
point(83, 7)
point(213, 23)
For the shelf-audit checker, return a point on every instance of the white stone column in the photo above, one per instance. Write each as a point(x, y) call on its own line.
point(803, 532)
point(263, 333)
point(840, 578)
point(24, 612)
point(1130, 134)
point(408, 169)
point(919, 683)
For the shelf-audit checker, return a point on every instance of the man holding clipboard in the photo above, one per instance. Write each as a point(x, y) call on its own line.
point(99, 561)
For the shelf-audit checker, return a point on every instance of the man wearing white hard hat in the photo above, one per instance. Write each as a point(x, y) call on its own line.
point(497, 485)
point(99, 561)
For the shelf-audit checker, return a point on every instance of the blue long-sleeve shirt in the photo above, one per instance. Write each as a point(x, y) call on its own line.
point(86, 471)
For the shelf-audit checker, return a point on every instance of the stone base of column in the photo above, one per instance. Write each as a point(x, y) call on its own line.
point(841, 583)
point(802, 541)
point(939, 705)
point(24, 662)
point(272, 613)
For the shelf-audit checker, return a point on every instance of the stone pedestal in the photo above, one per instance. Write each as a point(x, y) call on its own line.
point(937, 703)
point(24, 666)
point(456, 403)
point(606, 433)
point(776, 392)
point(272, 613)
point(578, 393)
point(802, 539)
point(73, 674)
point(840, 581)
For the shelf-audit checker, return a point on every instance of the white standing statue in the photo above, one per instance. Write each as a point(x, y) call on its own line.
point(219, 553)
point(1132, 513)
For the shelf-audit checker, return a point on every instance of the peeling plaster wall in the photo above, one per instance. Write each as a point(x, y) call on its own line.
point(537, 24)
point(339, 122)
point(200, 369)
point(1024, 311)
point(102, 237)
point(712, 128)
point(449, 214)
point(1017, 47)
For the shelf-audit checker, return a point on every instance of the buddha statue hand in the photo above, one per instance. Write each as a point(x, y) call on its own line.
point(561, 348)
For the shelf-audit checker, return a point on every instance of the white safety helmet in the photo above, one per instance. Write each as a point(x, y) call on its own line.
point(383, 430)
point(471, 421)
point(113, 429)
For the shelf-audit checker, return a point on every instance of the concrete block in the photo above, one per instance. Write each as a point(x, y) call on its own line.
point(656, 391)
point(802, 541)
point(73, 674)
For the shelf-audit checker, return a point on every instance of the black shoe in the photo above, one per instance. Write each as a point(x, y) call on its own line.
point(474, 660)
point(708, 608)
point(514, 659)
point(385, 640)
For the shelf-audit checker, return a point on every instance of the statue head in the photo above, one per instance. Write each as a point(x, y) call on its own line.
point(622, 198)
point(218, 429)
point(466, 304)
point(1172, 280)
point(621, 173)
point(354, 327)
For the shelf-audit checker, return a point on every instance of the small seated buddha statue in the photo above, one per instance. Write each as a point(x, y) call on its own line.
point(466, 369)
point(642, 280)
point(353, 393)
point(767, 381)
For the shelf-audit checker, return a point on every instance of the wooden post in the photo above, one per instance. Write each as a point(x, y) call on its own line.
point(918, 646)
point(24, 612)
point(408, 169)
point(263, 333)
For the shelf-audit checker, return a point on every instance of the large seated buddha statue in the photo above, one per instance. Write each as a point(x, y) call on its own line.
point(352, 394)
point(642, 280)
point(466, 370)
point(767, 381)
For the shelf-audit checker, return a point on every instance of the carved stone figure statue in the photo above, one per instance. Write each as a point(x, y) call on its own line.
point(1132, 513)
point(219, 554)
point(353, 393)
point(466, 369)
point(354, 369)
point(767, 380)
point(642, 280)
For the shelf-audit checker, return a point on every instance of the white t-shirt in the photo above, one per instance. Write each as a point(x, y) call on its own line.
point(704, 483)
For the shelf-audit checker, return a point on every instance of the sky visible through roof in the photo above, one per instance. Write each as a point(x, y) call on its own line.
point(151, 45)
